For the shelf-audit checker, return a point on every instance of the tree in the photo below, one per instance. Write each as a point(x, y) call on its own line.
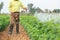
point(31, 8)
point(1, 6)
point(46, 10)
point(56, 10)
point(38, 10)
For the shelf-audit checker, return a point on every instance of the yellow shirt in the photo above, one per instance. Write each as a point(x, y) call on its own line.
point(14, 6)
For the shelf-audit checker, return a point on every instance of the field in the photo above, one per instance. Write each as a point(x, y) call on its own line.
point(4, 21)
point(36, 29)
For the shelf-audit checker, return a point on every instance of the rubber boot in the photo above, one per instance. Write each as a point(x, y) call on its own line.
point(11, 29)
point(17, 28)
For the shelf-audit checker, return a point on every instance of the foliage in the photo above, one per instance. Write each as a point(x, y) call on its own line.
point(4, 21)
point(31, 8)
point(56, 10)
point(1, 5)
point(40, 30)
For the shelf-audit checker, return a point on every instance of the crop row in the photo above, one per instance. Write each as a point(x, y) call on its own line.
point(4, 21)
point(40, 30)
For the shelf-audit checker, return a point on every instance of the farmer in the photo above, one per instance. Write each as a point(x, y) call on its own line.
point(14, 8)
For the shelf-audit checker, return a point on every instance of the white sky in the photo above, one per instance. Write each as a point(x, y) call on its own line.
point(43, 4)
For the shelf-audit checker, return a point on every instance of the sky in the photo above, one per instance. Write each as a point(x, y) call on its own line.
point(43, 4)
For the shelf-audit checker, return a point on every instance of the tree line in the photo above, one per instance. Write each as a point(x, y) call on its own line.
point(32, 9)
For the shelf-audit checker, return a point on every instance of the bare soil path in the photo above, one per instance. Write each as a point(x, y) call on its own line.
point(22, 36)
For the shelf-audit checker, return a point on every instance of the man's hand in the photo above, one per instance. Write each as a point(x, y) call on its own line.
point(25, 8)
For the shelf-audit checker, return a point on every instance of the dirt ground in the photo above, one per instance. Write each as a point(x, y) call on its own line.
point(22, 36)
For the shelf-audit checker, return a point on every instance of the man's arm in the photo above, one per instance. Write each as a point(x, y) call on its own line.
point(22, 6)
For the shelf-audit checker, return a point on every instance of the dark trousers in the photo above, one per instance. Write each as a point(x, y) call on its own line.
point(14, 19)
